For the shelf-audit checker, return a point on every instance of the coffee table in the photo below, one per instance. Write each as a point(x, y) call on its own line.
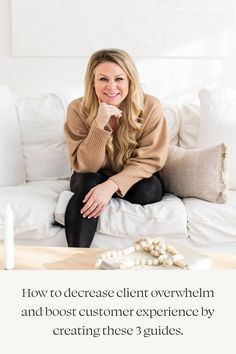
point(58, 258)
point(52, 258)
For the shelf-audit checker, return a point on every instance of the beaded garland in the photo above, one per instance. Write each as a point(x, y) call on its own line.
point(162, 254)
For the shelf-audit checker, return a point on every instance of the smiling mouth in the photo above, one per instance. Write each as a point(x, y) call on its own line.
point(113, 95)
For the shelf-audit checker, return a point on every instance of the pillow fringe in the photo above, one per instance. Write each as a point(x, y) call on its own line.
point(223, 195)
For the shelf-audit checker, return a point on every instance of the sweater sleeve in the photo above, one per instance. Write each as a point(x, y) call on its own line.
point(150, 155)
point(86, 147)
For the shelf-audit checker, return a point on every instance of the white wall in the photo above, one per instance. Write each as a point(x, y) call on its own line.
point(165, 77)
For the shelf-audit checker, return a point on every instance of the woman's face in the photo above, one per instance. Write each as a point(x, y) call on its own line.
point(111, 83)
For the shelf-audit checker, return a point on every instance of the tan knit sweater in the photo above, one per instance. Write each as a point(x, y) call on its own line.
point(87, 147)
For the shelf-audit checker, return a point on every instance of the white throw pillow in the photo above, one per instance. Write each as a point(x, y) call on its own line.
point(41, 119)
point(218, 124)
point(12, 170)
point(189, 124)
point(172, 116)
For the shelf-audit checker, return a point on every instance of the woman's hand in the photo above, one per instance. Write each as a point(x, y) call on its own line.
point(105, 111)
point(97, 199)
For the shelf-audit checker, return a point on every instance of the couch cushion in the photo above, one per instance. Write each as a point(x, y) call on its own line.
point(125, 220)
point(11, 157)
point(33, 206)
point(41, 119)
point(210, 223)
point(218, 124)
point(122, 219)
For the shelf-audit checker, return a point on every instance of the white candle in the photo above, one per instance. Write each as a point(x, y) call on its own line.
point(9, 237)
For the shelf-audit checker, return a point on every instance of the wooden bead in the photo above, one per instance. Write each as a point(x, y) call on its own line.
point(129, 250)
point(149, 262)
point(162, 258)
point(171, 249)
point(142, 244)
point(177, 257)
point(137, 247)
point(161, 253)
point(168, 262)
point(181, 264)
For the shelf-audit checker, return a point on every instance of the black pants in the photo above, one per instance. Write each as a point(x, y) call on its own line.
point(80, 231)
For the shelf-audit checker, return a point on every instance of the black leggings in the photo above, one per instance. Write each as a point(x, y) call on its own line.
point(80, 231)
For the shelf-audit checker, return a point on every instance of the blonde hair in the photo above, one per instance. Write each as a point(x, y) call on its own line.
point(132, 106)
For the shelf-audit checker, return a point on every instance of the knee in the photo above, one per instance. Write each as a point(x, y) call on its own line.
point(151, 190)
point(81, 183)
point(147, 191)
point(156, 188)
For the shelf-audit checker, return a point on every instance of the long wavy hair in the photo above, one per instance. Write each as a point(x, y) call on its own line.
point(131, 106)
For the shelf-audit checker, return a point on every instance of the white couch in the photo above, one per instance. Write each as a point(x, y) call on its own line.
point(35, 180)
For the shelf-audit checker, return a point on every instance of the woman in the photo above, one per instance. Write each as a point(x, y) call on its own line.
point(117, 140)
